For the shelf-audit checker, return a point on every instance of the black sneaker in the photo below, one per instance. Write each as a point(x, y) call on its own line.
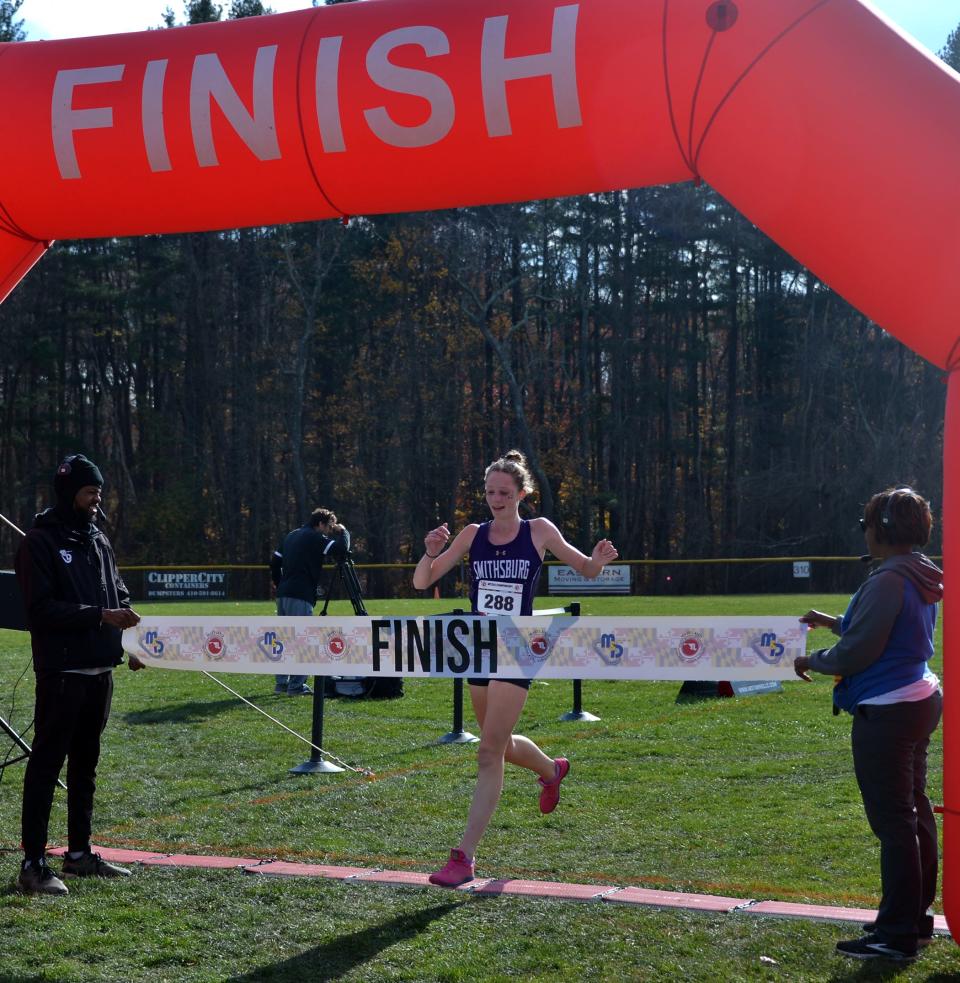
point(37, 878)
point(873, 947)
point(926, 930)
point(92, 865)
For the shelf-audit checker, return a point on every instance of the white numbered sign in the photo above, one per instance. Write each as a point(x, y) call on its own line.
point(496, 597)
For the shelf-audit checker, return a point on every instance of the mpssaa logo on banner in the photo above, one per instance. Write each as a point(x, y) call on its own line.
point(609, 649)
point(691, 647)
point(539, 646)
point(271, 646)
point(769, 648)
point(214, 645)
point(536, 649)
point(336, 645)
point(151, 644)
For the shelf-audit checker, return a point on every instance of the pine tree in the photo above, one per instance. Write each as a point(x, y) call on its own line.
point(950, 52)
point(10, 29)
point(247, 8)
point(202, 11)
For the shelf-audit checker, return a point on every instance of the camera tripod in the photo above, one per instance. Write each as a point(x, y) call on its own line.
point(22, 744)
point(18, 740)
point(346, 575)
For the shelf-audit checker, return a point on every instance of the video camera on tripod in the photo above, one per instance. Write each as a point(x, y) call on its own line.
point(337, 545)
point(337, 548)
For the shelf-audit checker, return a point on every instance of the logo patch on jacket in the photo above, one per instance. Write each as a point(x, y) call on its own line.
point(66, 556)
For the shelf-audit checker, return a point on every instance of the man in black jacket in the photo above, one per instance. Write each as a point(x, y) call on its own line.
point(296, 567)
point(77, 607)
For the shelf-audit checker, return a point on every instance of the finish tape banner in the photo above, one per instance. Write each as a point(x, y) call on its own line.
point(470, 645)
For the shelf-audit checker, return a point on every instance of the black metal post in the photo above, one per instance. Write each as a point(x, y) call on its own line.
point(346, 574)
point(317, 765)
point(577, 713)
point(578, 696)
point(458, 735)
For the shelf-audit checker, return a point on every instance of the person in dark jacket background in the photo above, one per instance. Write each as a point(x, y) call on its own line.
point(885, 682)
point(77, 606)
point(296, 568)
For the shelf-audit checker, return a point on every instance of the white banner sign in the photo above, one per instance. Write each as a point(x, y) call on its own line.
point(612, 579)
point(472, 645)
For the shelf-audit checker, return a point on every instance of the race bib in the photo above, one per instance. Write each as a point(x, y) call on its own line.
point(496, 597)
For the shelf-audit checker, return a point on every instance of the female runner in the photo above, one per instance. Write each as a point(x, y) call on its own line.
point(506, 555)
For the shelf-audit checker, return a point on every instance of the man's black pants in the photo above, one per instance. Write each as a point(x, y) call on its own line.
point(890, 760)
point(71, 712)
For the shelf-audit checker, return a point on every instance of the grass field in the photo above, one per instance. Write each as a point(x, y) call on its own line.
point(749, 797)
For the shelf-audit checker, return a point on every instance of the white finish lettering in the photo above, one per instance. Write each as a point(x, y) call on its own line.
point(65, 120)
point(413, 82)
point(327, 86)
point(151, 110)
point(258, 131)
point(560, 63)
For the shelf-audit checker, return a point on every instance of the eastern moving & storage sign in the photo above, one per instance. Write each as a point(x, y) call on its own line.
point(175, 585)
point(613, 579)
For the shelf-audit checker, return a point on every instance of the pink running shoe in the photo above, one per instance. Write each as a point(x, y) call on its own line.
point(458, 871)
point(550, 791)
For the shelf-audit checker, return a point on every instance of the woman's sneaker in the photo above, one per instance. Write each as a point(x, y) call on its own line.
point(550, 791)
point(92, 865)
point(874, 947)
point(459, 870)
point(37, 878)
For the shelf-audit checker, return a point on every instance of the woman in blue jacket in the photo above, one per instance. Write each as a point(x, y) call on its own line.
point(885, 683)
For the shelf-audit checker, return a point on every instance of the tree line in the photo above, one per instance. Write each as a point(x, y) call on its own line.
point(678, 382)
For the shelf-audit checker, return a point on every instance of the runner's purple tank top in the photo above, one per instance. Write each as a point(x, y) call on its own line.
point(516, 562)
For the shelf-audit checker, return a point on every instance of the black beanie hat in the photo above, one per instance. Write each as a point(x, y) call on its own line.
point(75, 472)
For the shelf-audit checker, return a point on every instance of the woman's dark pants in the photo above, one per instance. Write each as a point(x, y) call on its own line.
point(890, 760)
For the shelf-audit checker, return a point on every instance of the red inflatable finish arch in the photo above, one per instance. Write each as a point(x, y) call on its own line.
point(832, 132)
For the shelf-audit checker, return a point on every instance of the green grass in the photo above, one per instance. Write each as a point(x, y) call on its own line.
point(751, 797)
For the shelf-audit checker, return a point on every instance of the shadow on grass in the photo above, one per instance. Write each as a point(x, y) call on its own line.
point(882, 969)
point(182, 713)
point(345, 953)
point(698, 691)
